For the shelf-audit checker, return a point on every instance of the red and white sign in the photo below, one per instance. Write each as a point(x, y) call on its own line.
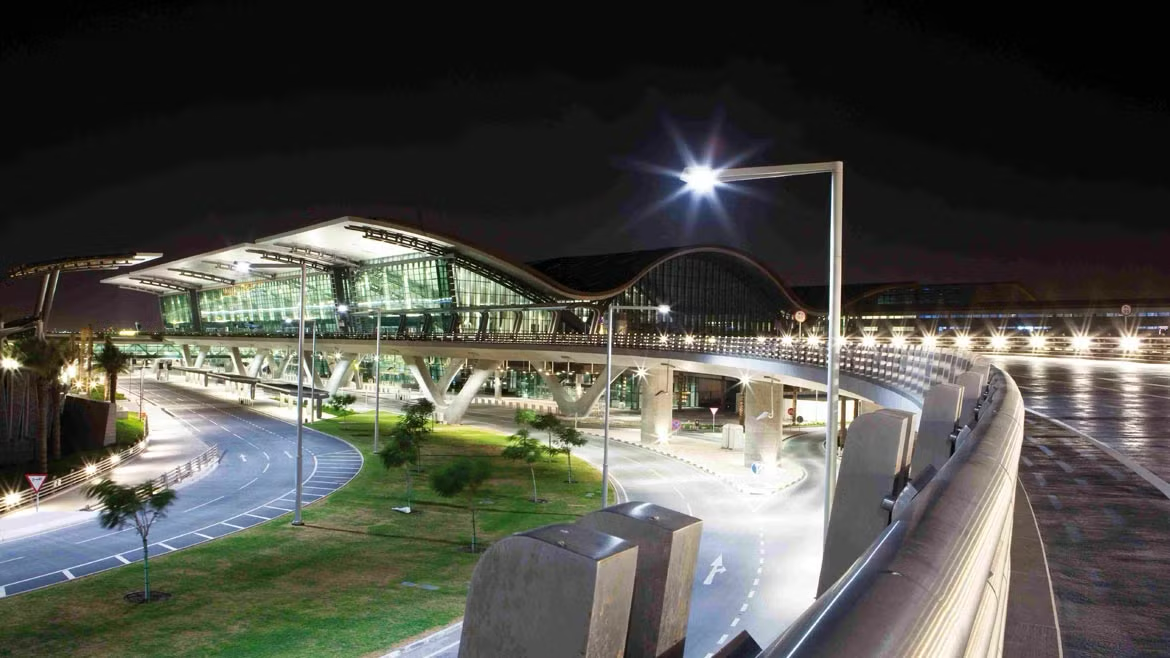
point(36, 480)
point(799, 316)
point(1126, 310)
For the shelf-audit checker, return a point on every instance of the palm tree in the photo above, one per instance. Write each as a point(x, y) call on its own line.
point(44, 359)
point(139, 506)
point(113, 362)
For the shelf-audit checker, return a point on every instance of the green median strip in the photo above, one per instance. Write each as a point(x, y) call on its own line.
point(357, 579)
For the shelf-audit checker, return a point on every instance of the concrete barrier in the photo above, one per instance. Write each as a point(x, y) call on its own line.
point(668, 547)
point(559, 590)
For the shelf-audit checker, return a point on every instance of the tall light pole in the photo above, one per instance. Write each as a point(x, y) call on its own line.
point(705, 179)
point(300, 396)
point(662, 309)
point(377, 376)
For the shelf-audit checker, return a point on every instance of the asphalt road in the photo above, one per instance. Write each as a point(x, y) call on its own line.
point(1101, 505)
point(255, 482)
point(767, 547)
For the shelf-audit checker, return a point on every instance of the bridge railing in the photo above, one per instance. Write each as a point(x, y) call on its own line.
point(935, 581)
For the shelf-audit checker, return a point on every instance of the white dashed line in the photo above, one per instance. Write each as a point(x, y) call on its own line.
point(122, 559)
point(735, 622)
point(249, 483)
point(751, 593)
point(167, 546)
point(722, 639)
point(200, 534)
point(743, 608)
point(202, 504)
point(232, 525)
point(68, 574)
point(755, 582)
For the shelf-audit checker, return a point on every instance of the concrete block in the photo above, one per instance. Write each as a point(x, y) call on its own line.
point(559, 590)
point(873, 467)
point(940, 411)
point(972, 383)
point(762, 423)
point(733, 436)
point(668, 547)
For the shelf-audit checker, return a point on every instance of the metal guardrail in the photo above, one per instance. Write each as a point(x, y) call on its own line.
point(207, 459)
point(935, 582)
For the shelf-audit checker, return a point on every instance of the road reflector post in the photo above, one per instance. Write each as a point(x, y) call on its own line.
point(668, 549)
point(558, 590)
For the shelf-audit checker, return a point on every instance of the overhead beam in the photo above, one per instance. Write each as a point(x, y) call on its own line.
point(170, 284)
point(202, 275)
point(292, 260)
point(81, 263)
point(317, 253)
point(231, 268)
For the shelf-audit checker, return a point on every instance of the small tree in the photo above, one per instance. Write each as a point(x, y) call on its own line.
point(404, 447)
point(340, 403)
point(525, 417)
point(527, 449)
point(569, 438)
point(548, 422)
point(141, 505)
point(464, 475)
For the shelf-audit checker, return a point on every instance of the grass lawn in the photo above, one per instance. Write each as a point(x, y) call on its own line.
point(332, 587)
point(129, 431)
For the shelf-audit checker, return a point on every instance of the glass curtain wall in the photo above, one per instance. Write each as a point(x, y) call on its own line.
point(176, 312)
point(707, 294)
point(264, 306)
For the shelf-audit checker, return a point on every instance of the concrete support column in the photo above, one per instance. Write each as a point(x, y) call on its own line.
point(762, 407)
point(874, 467)
point(307, 364)
point(940, 412)
point(480, 370)
point(567, 402)
point(434, 391)
point(497, 385)
point(237, 361)
point(185, 350)
point(341, 371)
point(657, 410)
point(203, 350)
point(257, 365)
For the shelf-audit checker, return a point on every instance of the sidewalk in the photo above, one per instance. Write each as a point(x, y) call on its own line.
point(171, 444)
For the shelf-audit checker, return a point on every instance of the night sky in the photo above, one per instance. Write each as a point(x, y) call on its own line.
point(983, 146)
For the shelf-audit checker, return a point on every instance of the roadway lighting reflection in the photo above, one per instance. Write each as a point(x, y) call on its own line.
point(1130, 343)
point(1081, 342)
point(1037, 342)
point(999, 341)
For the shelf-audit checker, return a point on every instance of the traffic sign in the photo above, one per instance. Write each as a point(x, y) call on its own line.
point(800, 316)
point(757, 468)
point(1126, 310)
point(36, 480)
point(675, 425)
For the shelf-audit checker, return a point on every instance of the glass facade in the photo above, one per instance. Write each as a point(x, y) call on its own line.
point(265, 306)
point(176, 312)
point(708, 294)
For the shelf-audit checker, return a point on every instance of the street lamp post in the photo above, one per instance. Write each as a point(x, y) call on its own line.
point(377, 376)
point(705, 179)
point(662, 309)
point(300, 396)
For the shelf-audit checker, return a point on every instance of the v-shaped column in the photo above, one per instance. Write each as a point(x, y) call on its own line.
point(480, 370)
point(580, 406)
point(434, 391)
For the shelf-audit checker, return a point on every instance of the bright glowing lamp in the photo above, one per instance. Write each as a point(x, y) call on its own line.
point(700, 179)
point(1081, 342)
point(1037, 341)
point(343, 308)
point(641, 372)
point(898, 341)
point(1130, 343)
point(813, 340)
point(787, 340)
point(868, 341)
point(12, 499)
point(664, 308)
point(963, 342)
point(9, 363)
point(998, 342)
point(90, 469)
point(929, 342)
point(242, 267)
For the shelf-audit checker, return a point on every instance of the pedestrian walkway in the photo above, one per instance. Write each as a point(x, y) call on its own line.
point(170, 445)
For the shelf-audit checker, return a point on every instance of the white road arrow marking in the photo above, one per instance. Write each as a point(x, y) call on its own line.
point(243, 458)
point(716, 567)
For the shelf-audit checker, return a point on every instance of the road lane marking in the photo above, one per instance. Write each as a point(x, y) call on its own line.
point(200, 534)
point(12, 559)
point(1055, 501)
point(284, 509)
point(755, 582)
point(266, 468)
point(249, 483)
point(743, 608)
point(1040, 480)
point(716, 568)
point(735, 622)
point(122, 559)
point(1044, 449)
point(232, 525)
point(202, 504)
point(722, 639)
point(266, 518)
point(1064, 466)
point(751, 593)
point(108, 534)
point(68, 574)
point(166, 546)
